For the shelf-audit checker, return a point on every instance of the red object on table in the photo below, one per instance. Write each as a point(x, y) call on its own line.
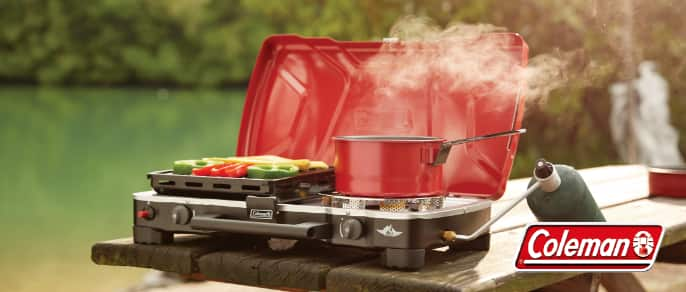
point(667, 181)
point(304, 91)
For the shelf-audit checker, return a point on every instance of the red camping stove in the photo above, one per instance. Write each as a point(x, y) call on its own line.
point(302, 93)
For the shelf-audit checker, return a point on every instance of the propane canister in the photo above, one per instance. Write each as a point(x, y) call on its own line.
point(566, 198)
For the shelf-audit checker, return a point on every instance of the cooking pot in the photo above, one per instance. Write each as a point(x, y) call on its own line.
point(667, 181)
point(395, 166)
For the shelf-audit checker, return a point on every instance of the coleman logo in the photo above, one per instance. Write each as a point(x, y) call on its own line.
point(262, 214)
point(388, 231)
point(643, 244)
point(588, 247)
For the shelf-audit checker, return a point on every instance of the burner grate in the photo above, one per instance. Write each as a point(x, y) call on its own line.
point(396, 205)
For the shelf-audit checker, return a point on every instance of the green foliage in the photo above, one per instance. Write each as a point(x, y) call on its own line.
point(182, 42)
point(211, 43)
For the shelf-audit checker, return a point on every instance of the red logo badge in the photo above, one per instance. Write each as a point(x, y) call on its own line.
point(583, 246)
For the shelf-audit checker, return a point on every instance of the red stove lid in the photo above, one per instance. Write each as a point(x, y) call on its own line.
point(303, 91)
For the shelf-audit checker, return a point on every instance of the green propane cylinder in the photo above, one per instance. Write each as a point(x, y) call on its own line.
point(571, 201)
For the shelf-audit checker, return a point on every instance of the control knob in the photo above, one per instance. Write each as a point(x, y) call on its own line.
point(350, 228)
point(181, 215)
point(147, 213)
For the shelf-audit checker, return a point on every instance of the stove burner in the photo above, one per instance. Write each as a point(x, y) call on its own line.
point(396, 205)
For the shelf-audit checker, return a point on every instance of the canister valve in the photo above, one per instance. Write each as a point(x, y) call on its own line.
point(546, 175)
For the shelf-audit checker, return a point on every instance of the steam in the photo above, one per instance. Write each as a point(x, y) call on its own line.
point(459, 58)
point(545, 73)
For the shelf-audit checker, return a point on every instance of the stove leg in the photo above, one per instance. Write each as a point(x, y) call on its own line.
point(405, 259)
point(480, 243)
point(147, 235)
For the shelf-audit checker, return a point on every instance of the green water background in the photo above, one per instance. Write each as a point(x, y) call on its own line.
point(73, 157)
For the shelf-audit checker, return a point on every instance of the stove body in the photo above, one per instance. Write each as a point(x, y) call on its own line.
point(402, 236)
point(302, 92)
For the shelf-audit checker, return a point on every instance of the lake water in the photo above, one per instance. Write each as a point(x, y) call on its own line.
point(72, 159)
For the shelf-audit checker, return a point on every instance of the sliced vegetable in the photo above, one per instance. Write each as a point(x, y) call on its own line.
point(215, 160)
point(204, 171)
point(272, 171)
point(318, 165)
point(302, 164)
point(187, 166)
point(230, 170)
point(223, 170)
point(241, 170)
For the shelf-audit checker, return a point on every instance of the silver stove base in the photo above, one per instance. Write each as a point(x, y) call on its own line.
point(406, 233)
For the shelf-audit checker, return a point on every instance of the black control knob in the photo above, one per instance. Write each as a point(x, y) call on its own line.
point(351, 228)
point(181, 215)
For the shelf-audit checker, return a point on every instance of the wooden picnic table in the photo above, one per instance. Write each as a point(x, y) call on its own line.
point(620, 191)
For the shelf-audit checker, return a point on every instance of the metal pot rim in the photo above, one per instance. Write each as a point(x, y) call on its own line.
point(382, 138)
point(675, 169)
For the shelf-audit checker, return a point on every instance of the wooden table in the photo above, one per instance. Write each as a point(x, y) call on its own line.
point(621, 191)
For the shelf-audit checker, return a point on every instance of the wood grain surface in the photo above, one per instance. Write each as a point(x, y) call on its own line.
point(304, 267)
point(180, 257)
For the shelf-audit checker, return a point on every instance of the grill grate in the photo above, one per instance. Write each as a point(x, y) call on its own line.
point(302, 186)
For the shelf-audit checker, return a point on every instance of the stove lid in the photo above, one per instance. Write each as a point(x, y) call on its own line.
point(304, 91)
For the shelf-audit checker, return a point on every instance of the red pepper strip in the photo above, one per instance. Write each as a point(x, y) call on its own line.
point(228, 171)
point(223, 170)
point(203, 171)
point(236, 170)
point(242, 170)
point(220, 170)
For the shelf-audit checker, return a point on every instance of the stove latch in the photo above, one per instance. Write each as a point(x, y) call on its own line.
point(261, 209)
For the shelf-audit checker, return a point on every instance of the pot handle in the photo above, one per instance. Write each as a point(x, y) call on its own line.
point(443, 152)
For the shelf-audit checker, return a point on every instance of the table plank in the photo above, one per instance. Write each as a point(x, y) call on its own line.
point(179, 257)
point(494, 269)
point(670, 212)
point(445, 271)
point(592, 176)
point(235, 258)
point(664, 277)
point(305, 266)
point(675, 253)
